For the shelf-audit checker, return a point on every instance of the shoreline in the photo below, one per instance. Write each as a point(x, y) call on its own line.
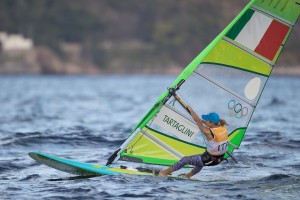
point(172, 71)
point(286, 71)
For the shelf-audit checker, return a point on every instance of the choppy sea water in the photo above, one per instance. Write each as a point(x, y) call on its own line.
point(86, 118)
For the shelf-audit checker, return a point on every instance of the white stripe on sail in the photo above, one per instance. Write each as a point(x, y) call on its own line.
point(254, 30)
point(176, 124)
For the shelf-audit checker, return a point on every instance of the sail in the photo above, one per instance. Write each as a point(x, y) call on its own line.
point(227, 77)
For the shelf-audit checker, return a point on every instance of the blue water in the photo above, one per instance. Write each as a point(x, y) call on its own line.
point(86, 118)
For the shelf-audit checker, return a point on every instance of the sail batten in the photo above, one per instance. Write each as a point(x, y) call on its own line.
point(227, 77)
point(226, 89)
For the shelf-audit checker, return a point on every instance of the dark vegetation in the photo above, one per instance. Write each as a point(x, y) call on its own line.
point(126, 35)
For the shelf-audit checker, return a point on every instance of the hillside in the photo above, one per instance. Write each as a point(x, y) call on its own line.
point(112, 36)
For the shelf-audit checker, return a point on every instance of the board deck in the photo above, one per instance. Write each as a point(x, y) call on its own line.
point(88, 170)
point(82, 169)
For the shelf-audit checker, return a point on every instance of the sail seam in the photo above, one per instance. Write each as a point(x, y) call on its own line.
point(163, 145)
point(272, 16)
point(225, 88)
point(248, 51)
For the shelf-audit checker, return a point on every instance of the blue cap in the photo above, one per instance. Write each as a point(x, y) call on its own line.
point(213, 117)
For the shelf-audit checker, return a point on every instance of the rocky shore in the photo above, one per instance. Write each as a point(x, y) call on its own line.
point(43, 61)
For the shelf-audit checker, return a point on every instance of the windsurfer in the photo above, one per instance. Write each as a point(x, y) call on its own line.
point(217, 143)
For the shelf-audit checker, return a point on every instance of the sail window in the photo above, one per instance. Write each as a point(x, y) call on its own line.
point(252, 88)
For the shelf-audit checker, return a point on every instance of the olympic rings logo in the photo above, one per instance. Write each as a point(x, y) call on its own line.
point(238, 110)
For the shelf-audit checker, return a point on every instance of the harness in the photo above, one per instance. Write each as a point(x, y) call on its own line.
point(211, 160)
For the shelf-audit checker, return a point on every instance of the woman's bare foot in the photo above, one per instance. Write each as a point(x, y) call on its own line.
point(165, 172)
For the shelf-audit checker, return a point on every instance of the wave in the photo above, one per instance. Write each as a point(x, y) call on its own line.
point(274, 181)
point(6, 166)
point(74, 136)
point(283, 143)
point(30, 177)
point(276, 102)
point(273, 139)
point(275, 177)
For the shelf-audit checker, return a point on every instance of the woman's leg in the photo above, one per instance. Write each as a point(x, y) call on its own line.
point(191, 160)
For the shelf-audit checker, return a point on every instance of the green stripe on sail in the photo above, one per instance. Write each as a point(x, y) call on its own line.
point(227, 54)
point(151, 160)
point(286, 9)
point(237, 28)
point(235, 138)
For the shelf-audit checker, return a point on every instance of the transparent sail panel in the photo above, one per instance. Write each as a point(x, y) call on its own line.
point(240, 83)
point(205, 96)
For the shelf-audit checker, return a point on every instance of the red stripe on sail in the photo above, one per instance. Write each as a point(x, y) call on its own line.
point(272, 39)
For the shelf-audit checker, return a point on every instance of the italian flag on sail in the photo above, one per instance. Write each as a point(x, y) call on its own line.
point(259, 33)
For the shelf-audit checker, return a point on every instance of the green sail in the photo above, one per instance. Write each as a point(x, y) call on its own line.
point(245, 51)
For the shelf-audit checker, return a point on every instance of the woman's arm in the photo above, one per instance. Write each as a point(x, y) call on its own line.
point(199, 122)
point(197, 119)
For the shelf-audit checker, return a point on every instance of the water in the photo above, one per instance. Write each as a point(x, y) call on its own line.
point(86, 118)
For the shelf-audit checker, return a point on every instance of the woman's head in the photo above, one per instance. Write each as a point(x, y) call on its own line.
point(214, 118)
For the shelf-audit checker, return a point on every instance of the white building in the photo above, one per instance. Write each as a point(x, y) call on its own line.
point(14, 42)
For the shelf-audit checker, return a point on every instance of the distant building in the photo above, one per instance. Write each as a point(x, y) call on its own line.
point(14, 42)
